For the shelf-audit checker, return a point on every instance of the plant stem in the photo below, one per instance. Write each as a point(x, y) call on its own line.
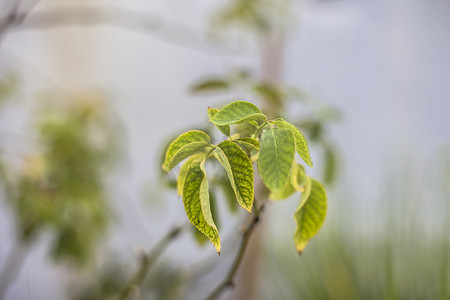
point(228, 280)
point(146, 261)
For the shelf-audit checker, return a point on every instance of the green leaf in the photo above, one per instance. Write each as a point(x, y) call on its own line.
point(269, 92)
point(290, 187)
point(237, 112)
point(185, 167)
point(297, 181)
point(198, 235)
point(239, 170)
point(210, 85)
point(196, 202)
point(276, 154)
point(310, 215)
point(184, 146)
point(224, 129)
point(300, 142)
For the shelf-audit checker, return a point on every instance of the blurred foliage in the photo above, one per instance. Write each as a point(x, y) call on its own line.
point(8, 85)
point(60, 187)
point(399, 252)
point(362, 267)
point(164, 282)
point(261, 16)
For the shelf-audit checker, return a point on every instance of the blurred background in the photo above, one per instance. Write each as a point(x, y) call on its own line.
point(91, 92)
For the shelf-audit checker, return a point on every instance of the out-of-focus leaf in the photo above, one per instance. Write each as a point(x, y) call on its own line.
point(329, 170)
point(224, 184)
point(197, 205)
point(275, 157)
point(313, 128)
point(237, 112)
point(310, 214)
point(211, 85)
point(8, 86)
point(239, 170)
point(270, 93)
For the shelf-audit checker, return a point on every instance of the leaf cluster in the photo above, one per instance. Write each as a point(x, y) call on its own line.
point(271, 144)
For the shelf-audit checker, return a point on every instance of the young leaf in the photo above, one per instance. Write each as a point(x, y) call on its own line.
point(184, 146)
point(300, 142)
point(275, 157)
point(196, 202)
point(185, 167)
point(237, 112)
point(310, 215)
point(239, 170)
point(224, 129)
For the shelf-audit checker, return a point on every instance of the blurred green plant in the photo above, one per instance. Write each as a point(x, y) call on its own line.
point(60, 187)
point(399, 252)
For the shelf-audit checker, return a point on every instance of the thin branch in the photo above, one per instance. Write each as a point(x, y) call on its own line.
point(228, 280)
point(146, 261)
point(118, 17)
point(14, 17)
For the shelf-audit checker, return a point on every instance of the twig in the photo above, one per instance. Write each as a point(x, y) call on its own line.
point(228, 280)
point(146, 261)
point(118, 17)
point(14, 17)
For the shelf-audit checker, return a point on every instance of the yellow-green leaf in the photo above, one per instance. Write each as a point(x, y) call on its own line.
point(300, 142)
point(184, 146)
point(198, 157)
point(310, 214)
point(198, 235)
point(239, 170)
point(196, 202)
point(276, 154)
point(237, 112)
point(224, 129)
